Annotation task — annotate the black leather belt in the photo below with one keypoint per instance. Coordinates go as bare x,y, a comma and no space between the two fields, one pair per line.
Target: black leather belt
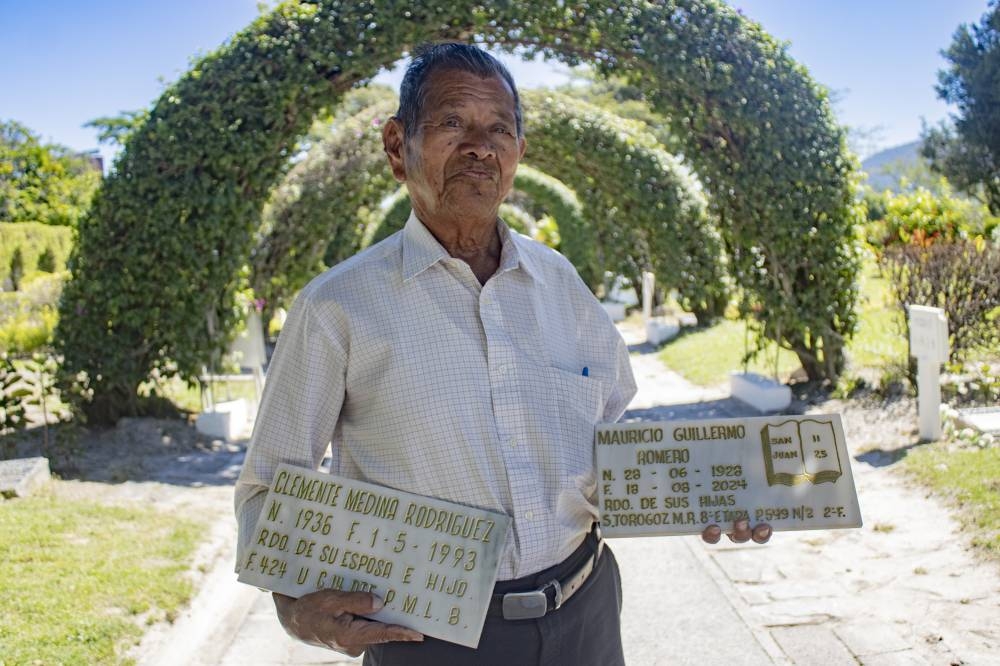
553,594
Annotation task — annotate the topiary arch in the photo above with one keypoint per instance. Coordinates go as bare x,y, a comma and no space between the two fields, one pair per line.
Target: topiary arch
642,211
163,247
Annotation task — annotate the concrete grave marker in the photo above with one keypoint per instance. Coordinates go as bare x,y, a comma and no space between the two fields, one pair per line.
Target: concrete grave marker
22,476
678,477
762,393
929,344
658,329
648,284
984,419
249,346
432,562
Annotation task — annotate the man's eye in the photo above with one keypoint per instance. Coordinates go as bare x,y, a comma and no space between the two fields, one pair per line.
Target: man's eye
501,130
452,122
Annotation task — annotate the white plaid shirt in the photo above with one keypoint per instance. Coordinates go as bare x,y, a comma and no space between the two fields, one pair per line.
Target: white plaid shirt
426,381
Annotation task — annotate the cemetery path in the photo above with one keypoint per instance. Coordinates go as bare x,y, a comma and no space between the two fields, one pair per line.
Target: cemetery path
904,589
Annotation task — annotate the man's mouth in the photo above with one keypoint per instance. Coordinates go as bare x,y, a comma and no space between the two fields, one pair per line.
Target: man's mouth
477,174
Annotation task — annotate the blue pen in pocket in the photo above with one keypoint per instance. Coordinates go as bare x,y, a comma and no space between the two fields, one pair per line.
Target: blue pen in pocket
586,371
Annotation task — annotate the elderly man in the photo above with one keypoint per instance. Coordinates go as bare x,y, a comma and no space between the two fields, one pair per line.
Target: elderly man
461,361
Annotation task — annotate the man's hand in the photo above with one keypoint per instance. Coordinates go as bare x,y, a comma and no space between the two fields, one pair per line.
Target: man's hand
329,618
741,533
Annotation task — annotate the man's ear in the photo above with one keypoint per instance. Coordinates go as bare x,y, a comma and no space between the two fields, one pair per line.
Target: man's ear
392,143
524,146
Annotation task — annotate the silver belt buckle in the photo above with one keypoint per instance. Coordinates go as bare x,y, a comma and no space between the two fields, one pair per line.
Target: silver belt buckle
524,605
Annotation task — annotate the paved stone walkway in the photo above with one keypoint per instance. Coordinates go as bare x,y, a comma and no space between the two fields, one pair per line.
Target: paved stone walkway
902,590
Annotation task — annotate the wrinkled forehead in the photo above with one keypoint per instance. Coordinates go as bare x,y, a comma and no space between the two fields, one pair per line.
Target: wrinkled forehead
456,88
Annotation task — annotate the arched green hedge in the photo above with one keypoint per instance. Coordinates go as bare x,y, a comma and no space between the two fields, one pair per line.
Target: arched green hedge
162,249
318,215
560,202
641,212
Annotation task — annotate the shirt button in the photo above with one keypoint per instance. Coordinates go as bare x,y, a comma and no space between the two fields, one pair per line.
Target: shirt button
529,515
503,370
511,442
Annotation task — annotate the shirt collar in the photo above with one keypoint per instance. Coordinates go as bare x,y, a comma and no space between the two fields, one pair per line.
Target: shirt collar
421,250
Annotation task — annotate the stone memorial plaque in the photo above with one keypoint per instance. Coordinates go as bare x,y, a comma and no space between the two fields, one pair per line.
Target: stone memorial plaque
21,476
677,477
432,562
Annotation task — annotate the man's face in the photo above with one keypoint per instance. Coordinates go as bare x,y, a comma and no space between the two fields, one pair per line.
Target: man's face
459,162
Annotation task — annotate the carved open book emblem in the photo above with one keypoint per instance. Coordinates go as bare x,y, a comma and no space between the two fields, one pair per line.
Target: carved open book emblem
800,451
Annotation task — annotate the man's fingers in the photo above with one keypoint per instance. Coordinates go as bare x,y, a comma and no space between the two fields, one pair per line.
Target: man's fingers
741,531
368,632
762,533
337,603
711,534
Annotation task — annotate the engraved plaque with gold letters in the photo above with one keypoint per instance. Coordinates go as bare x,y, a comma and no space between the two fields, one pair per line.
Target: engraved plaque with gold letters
678,477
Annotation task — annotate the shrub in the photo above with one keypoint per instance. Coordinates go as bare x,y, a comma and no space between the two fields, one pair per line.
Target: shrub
28,317
33,239
922,217
28,332
962,278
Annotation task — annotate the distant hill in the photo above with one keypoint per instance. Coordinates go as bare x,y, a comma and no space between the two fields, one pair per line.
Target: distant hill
883,167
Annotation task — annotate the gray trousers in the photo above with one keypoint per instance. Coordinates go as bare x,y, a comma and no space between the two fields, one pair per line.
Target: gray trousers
586,631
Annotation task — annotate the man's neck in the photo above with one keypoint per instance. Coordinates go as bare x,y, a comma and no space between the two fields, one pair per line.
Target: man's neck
477,244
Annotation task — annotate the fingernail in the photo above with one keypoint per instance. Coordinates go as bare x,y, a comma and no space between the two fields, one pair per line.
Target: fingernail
377,603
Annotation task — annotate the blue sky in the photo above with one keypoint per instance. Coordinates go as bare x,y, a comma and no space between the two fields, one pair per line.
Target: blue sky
65,62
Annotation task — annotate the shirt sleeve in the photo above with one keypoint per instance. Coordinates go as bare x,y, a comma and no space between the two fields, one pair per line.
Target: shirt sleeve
624,387
298,413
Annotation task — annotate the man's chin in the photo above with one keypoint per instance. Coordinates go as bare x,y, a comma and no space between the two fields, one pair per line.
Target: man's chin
474,203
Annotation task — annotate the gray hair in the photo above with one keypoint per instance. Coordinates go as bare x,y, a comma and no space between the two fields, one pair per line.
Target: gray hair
428,58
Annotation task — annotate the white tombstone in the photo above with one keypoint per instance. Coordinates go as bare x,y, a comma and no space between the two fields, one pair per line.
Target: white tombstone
929,344
648,284
687,319
248,346
661,329
762,393
225,420
622,292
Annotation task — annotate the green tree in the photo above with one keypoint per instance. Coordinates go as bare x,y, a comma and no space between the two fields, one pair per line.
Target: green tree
42,182
115,130
967,150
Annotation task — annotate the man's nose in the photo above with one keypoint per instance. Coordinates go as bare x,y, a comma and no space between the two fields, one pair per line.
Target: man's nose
479,144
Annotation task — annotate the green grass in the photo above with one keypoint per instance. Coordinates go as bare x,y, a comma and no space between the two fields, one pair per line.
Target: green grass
880,341
706,356
80,578
970,480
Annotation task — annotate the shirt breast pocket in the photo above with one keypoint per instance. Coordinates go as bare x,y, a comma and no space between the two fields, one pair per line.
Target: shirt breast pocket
575,403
